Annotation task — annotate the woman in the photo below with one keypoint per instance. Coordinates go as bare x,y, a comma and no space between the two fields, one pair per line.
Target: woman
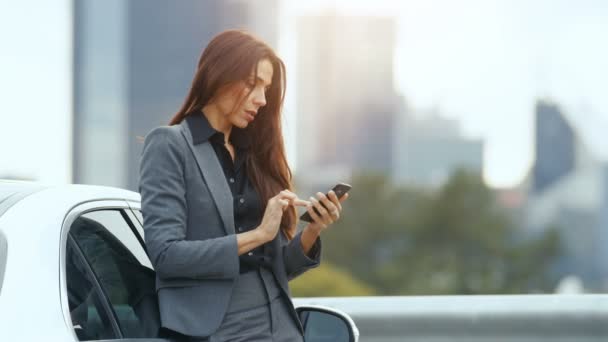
219,214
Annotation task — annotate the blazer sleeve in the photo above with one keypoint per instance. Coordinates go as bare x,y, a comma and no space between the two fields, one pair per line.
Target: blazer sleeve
296,262
164,208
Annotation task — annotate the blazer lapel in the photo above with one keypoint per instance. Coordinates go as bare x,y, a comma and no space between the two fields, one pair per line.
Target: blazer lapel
213,175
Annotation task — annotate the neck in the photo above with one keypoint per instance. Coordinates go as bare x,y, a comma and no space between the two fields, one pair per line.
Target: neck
217,120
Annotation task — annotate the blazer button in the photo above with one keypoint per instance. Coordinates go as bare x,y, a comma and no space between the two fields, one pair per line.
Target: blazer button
242,200
231,180
240,229
250,253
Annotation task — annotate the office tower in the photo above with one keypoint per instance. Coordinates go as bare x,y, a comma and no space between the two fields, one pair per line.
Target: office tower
567,191
346,101
133,64
554,146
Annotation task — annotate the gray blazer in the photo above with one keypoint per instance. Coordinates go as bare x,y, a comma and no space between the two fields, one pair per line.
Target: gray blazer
188,215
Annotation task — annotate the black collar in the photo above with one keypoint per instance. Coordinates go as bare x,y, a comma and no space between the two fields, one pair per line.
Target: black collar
201,131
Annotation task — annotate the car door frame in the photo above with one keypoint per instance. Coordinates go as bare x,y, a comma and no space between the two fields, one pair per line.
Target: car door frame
74,213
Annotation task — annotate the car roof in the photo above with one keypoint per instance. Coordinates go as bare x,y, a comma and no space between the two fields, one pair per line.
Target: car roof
12,191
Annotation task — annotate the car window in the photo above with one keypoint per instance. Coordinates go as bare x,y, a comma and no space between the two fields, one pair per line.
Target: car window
116,223
122,268
89,319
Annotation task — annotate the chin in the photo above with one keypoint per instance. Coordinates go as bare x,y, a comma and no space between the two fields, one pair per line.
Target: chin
242,124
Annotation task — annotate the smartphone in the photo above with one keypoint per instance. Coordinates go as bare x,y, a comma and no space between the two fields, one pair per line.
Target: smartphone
340,189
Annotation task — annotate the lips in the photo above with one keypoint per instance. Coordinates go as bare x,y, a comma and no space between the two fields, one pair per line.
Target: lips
250,114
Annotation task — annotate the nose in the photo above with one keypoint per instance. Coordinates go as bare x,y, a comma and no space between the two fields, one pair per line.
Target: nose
259,98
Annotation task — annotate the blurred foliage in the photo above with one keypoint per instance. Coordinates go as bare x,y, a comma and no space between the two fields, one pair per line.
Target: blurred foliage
454,240
328,281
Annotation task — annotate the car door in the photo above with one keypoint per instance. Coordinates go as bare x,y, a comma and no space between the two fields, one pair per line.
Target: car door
110,283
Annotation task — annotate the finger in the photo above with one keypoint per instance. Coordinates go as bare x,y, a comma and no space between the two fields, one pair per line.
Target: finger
284,203
315,217
300,202
297,202
329,205
335,200
287,194
325,217
343,198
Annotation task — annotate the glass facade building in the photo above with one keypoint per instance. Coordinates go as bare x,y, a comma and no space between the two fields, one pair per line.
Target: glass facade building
133,65
555,147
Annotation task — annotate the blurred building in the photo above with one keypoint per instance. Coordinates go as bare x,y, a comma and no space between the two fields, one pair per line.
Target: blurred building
568,190
602,241
346,101
564,175
429,149
554,148
133,64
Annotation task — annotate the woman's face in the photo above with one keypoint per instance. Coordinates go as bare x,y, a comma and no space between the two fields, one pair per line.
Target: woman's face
252,90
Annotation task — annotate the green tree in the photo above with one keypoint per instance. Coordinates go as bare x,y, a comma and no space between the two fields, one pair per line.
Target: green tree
455,240
328,281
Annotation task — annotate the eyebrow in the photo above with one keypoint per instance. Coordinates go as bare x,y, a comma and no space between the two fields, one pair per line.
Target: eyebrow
259,79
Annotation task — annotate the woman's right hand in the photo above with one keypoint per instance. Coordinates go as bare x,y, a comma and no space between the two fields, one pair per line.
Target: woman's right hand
271,221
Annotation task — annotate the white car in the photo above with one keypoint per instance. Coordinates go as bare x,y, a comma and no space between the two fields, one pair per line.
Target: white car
73,266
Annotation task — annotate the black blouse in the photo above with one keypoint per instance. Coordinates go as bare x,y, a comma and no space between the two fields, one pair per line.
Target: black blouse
248,211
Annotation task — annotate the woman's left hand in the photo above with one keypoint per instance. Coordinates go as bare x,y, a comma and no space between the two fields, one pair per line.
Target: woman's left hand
330,210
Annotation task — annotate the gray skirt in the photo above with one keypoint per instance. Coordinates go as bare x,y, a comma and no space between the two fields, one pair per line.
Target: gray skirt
259,311
269,322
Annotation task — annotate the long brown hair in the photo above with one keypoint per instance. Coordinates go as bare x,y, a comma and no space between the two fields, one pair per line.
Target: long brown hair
231,57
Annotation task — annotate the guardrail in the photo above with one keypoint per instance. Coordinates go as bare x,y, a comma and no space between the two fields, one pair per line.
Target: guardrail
521,318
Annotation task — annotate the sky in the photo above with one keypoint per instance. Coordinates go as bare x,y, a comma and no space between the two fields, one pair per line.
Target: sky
482,62
485,62
35,88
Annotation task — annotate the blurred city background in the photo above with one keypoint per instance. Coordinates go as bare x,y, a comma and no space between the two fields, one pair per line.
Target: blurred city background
473,132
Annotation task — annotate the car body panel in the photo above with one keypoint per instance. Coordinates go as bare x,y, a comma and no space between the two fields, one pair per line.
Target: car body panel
37,234
12,192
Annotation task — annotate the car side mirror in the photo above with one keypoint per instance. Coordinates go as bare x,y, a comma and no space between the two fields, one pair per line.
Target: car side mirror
323,324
